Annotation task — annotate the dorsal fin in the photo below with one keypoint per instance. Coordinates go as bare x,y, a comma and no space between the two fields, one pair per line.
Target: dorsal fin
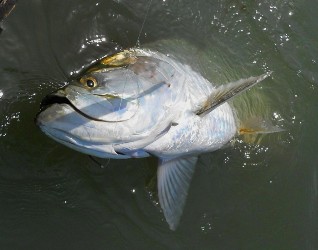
228,91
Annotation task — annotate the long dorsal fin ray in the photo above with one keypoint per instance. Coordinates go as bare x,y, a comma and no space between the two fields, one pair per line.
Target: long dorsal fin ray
226,92
174,177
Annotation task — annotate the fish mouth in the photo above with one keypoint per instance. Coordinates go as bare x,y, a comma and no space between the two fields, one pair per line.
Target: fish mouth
59,97
54,99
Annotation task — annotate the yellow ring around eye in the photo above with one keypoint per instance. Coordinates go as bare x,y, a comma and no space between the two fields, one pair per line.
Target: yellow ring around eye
89,82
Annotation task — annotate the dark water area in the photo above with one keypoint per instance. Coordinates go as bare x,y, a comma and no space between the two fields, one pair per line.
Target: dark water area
258,195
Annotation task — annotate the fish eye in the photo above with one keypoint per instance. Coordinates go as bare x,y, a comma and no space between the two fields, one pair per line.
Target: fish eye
89,82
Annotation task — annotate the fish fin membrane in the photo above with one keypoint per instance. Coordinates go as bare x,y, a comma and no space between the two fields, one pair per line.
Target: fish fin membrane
226,92
174,177
257,125
253,130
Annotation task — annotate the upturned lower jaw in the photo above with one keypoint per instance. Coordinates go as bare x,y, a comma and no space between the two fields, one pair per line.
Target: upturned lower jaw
59,97
53,99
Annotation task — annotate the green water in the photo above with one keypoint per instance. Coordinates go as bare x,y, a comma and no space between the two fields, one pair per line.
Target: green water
250,196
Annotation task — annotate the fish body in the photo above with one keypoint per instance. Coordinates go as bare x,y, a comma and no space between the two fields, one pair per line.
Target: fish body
140,103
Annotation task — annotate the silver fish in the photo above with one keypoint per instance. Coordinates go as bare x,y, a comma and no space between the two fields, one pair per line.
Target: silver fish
140,103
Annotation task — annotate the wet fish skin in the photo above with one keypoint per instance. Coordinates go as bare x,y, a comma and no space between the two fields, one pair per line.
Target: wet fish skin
139,103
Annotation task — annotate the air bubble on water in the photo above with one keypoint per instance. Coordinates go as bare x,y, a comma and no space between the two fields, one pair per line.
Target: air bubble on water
284,38
272,8
97,40
74,72
226,159
206,225
1,94
247,155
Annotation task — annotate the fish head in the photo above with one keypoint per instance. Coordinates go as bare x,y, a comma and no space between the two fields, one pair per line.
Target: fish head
102,107
82,115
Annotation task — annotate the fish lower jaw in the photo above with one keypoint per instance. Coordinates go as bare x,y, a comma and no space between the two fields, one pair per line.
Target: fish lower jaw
101,151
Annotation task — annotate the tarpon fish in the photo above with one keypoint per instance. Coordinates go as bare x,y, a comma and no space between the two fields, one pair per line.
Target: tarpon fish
140,103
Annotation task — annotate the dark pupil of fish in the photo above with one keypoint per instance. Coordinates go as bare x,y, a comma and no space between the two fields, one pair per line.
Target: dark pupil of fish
90,83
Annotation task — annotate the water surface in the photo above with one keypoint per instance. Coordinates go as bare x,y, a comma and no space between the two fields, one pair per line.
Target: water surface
258,195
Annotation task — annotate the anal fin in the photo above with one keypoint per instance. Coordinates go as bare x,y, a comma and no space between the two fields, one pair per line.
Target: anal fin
174,177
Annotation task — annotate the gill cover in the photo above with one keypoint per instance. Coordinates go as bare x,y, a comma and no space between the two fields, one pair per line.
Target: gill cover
115,87
100,92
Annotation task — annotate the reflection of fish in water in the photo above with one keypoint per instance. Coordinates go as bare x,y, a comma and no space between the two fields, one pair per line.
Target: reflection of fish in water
139,103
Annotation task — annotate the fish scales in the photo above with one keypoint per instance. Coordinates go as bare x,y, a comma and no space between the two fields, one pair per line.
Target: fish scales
141,103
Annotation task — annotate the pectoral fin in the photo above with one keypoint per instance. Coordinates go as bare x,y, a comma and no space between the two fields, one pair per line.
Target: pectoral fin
174,177
228,91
